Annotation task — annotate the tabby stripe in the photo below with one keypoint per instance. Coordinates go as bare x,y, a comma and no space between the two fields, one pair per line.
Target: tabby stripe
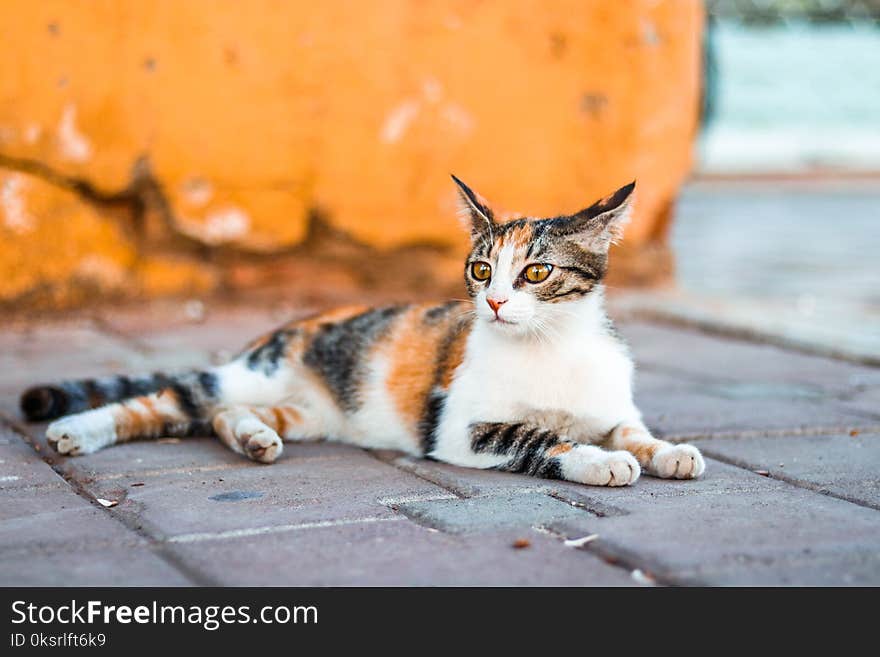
481,439
430,420
185,400
525,445
578,290
580,272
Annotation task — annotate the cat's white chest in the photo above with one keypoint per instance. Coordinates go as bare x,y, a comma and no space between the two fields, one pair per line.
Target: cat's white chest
588,376
585,375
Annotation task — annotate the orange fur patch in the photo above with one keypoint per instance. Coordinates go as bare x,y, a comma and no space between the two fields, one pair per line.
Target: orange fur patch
635,441
146,420
519,237
454,358
558,450
412,351
418,353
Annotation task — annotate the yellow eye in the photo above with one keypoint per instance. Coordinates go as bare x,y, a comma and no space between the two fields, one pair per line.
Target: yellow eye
481,271
537,273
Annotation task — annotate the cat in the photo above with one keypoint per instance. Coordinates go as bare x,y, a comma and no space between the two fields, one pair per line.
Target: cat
527,376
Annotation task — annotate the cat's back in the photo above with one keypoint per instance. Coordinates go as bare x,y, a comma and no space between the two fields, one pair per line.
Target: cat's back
374,368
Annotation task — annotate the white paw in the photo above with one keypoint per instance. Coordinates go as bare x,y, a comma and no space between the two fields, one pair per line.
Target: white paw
678,462
259,442
611,469
81,434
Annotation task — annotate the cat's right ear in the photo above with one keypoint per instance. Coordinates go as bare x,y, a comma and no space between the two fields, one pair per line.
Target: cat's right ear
476,213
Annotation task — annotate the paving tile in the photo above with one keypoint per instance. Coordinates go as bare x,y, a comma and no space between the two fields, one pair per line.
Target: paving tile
691,383
339,482
716,531
598,500
21,466
106,565
397,553
844,567
53,517
678,408
844,465
715,358
145,458
731,526
865,401
458,516
50,536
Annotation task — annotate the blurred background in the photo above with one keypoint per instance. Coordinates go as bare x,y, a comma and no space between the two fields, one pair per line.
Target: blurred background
298,153
778,231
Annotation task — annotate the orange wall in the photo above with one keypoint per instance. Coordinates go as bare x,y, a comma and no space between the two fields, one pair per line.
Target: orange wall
248,114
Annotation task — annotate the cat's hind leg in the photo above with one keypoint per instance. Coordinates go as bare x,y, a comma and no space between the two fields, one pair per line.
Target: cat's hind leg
171,412
257,431
535,450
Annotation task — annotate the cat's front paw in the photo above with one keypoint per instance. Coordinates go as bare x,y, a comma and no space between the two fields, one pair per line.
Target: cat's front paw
678,462
610,469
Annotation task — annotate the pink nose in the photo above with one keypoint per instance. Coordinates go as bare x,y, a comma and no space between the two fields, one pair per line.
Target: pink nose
495,304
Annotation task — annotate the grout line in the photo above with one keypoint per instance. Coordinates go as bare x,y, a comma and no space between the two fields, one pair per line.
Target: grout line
792,481
612,555
245,464
427,497
416,471
768,433
278,529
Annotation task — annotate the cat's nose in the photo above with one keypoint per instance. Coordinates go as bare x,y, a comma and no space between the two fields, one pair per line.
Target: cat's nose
495,304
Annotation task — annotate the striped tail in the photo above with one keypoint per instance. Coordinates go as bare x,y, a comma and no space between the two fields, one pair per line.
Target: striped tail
47,402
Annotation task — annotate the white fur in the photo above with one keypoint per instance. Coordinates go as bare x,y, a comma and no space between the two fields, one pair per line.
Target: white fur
590,465
582,370
678,461
377,424
82,433
242,385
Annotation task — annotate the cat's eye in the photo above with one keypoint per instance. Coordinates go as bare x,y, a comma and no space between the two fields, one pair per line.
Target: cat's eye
481,271
537,273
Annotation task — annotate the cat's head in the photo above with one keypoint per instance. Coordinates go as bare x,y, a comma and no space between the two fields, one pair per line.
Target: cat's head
525,275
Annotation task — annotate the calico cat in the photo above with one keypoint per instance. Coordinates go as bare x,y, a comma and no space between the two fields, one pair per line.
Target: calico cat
528,376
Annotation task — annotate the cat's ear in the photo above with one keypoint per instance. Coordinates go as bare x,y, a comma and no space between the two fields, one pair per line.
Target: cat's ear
477,214
600,225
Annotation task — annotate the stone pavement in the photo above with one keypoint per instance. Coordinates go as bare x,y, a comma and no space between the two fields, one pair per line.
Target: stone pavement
791,494
756,257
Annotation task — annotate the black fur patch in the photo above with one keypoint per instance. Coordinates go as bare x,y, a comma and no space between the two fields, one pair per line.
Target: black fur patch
437,399
438,313
431,419
338,350
267,357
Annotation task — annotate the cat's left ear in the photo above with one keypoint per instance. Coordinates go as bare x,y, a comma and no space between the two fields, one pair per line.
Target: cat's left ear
481,220
600,225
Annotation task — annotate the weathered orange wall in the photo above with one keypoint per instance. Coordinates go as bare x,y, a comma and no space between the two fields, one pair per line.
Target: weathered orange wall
244,115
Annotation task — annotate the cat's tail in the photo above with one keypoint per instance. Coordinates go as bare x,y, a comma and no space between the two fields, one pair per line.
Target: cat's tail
47,402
